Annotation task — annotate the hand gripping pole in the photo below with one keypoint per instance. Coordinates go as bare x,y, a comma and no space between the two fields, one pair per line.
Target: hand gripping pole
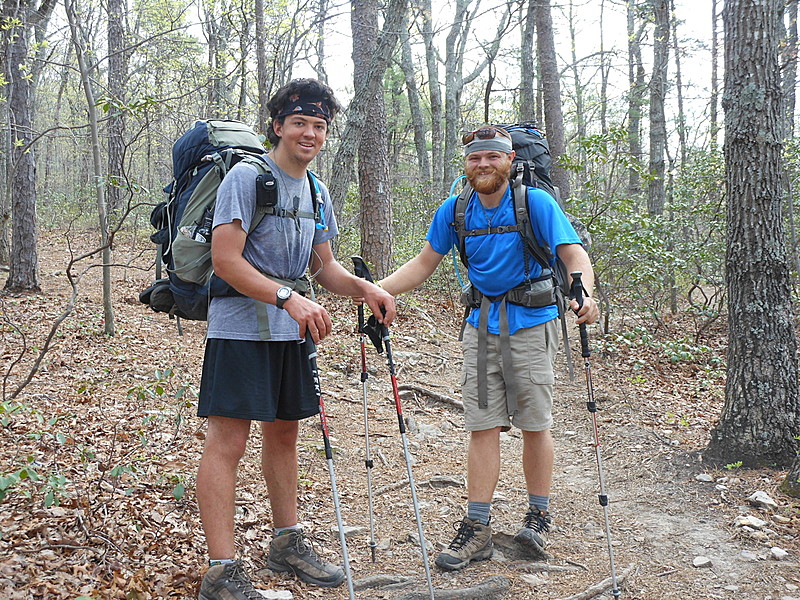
577,292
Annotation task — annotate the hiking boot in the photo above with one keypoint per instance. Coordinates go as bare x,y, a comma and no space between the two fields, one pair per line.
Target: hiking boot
228,582
533,534
291,552
473,541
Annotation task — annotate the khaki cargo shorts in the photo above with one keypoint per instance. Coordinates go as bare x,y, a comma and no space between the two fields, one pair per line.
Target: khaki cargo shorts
533,353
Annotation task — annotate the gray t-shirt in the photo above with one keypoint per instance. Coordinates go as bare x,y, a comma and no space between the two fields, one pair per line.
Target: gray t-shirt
276,247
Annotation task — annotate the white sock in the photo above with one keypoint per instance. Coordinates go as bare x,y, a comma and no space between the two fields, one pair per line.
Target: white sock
221,561
279,530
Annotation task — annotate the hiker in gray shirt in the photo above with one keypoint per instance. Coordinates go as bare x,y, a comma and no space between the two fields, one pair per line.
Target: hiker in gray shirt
255,367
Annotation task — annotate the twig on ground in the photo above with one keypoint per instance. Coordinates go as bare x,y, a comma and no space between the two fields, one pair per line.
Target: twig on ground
602,587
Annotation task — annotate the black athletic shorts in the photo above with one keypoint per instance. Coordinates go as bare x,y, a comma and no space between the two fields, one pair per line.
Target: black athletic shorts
259,381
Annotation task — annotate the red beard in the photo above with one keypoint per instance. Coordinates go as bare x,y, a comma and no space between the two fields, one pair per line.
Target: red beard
489,181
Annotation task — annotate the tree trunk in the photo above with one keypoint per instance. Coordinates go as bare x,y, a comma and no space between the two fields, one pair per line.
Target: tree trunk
435,100
789,69
262,74
417,119
373,154
21,184
322,17
342,171
604,69
117,75
580,118
714,75
636,87
527,66
791,485
553,117
658,92
99,187
761,414
681,125
454,84
455,80
217,30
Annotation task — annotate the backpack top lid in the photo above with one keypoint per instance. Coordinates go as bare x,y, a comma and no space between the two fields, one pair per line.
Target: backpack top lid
532,160
208,137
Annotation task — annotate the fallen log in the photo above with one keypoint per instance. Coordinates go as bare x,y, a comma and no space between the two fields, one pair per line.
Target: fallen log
492,588
410,387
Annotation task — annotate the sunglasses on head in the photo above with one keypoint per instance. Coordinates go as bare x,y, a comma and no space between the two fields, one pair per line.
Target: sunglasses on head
484,133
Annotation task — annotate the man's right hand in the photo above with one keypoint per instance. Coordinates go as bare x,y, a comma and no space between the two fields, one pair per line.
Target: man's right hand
310,316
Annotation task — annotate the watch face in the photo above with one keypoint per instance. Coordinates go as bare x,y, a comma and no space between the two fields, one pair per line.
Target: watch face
284,293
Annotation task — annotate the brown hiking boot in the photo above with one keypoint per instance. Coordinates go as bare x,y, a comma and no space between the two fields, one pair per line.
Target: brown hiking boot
533,534
291,552
228,582
473,541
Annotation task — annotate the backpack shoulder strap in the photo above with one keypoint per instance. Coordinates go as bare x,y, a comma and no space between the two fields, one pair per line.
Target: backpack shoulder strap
262,210
459,220
520,194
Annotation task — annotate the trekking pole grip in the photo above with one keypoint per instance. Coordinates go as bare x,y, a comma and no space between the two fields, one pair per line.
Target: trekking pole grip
576,291
361,269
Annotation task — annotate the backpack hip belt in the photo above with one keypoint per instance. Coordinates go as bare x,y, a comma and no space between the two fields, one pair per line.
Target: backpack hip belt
534,293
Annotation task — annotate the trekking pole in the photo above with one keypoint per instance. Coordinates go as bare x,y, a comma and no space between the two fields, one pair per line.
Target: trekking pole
368,454
312,357
591,405
383,339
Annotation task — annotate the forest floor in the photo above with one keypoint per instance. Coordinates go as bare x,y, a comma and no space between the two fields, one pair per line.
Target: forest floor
100,450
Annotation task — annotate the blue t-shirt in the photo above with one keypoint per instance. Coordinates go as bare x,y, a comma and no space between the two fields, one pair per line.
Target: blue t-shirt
497,260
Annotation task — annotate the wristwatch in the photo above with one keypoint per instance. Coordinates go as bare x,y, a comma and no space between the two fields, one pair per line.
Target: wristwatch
282,295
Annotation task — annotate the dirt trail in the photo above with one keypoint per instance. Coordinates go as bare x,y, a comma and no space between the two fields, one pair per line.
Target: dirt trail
121,533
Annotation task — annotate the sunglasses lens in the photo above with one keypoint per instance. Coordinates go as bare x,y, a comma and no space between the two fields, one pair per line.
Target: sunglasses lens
484,133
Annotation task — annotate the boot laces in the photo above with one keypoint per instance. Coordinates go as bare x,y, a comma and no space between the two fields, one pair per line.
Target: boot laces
239,576
464,533
304,547
535,519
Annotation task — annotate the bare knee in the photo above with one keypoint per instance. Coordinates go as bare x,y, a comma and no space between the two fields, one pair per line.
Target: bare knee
227,438
279,434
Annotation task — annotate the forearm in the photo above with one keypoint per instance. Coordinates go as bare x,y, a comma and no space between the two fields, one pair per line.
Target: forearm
413,273
575,258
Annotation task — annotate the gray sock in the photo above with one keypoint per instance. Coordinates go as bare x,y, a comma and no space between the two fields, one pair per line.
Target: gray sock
479,511
540,502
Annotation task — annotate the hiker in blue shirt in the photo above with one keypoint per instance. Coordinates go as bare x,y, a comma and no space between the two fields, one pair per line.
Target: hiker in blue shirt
502,332
254,366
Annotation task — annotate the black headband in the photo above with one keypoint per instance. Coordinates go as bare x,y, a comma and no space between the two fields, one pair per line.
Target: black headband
312,106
